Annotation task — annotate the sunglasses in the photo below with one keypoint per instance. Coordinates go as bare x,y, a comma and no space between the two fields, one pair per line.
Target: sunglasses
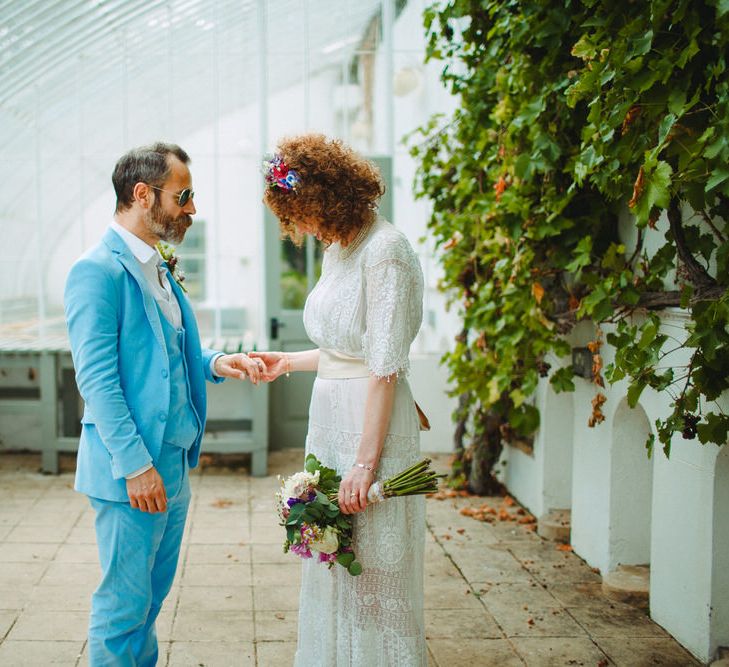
182,197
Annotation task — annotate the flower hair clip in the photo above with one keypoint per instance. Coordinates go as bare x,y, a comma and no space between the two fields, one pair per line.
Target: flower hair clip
278,174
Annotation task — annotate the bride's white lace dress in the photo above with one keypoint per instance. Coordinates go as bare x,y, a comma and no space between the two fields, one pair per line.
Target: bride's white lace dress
367,304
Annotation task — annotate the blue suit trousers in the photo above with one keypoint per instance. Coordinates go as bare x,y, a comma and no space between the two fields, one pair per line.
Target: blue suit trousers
138,552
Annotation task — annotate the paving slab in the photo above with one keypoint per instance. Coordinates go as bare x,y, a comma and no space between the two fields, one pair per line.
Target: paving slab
284,596
211,654
7,620
26,653
27,552
212,626
448,623
275,653
275,625
645,652
57,625
60,598
269,574
14,597
216,598
216,574
219,553
559,652
481,652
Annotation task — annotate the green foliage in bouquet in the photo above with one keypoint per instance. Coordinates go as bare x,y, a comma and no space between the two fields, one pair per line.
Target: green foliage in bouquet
328,490
314,517
572,116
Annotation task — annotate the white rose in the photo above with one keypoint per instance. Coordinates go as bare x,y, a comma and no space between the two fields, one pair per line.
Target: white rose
295,485
328,543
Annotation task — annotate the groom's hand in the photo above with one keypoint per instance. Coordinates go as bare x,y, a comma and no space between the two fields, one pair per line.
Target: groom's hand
239,366
147,492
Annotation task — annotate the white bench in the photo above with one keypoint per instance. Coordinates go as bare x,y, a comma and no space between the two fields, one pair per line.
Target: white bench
240,426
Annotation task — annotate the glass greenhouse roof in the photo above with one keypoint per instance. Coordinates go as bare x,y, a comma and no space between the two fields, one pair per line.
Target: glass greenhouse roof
82,81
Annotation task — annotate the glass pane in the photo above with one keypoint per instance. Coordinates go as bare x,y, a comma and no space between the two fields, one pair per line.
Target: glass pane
297,279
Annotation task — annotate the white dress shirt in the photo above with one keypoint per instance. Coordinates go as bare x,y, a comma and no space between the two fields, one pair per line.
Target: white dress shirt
156,274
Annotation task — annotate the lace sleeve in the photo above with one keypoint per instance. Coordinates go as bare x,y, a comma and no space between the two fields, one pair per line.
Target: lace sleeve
391,292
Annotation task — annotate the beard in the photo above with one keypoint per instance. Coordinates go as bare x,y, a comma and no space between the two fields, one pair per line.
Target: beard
171,229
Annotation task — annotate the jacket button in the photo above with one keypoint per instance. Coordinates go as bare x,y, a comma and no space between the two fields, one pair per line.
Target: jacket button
164,373
162,417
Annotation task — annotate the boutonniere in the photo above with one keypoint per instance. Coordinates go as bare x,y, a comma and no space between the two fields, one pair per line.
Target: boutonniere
167,252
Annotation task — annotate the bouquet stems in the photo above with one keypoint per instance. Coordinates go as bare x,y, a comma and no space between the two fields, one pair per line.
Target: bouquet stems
418,479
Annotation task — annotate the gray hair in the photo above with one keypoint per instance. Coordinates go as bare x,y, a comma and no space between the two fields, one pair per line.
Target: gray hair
146,164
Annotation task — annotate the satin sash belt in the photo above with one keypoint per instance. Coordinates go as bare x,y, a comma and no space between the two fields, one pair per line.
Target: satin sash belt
334,365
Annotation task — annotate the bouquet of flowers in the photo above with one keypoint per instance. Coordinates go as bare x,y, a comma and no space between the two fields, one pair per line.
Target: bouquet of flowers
308,509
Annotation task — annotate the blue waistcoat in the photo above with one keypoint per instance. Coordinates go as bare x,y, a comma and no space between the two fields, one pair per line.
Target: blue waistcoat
183,424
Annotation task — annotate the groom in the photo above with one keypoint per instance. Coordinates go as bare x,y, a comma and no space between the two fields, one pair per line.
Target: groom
141,372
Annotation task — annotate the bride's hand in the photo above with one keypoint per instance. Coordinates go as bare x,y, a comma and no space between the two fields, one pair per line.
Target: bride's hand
353,490
240,366
276,364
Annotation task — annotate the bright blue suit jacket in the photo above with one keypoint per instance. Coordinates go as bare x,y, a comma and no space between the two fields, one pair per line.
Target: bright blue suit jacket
122,367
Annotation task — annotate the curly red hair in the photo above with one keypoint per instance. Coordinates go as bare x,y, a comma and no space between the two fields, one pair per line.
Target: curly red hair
338,190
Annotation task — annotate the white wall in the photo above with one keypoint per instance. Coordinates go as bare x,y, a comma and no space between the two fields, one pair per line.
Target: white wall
631,482
542,479
720,567
682,543
429,382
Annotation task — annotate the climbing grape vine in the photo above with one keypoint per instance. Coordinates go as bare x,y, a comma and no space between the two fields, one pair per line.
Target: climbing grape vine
574,117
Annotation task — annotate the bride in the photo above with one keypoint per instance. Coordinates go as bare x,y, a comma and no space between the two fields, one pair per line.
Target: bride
363,315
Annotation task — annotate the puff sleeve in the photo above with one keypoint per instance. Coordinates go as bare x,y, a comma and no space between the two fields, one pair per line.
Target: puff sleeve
393,286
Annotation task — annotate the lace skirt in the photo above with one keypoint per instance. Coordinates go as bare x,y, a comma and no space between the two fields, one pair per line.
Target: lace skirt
375,619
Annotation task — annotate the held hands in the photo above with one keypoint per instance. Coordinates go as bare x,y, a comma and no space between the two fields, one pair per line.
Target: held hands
276,364
147,492
353,490
239,366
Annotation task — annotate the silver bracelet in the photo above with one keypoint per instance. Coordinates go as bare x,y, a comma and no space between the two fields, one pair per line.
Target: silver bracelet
365,466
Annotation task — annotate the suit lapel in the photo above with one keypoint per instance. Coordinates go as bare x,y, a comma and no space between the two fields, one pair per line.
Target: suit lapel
129,262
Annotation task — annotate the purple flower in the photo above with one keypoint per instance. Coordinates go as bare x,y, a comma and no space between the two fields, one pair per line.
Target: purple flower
292,501
301,550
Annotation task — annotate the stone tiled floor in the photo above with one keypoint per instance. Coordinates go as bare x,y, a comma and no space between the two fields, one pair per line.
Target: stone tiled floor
496,594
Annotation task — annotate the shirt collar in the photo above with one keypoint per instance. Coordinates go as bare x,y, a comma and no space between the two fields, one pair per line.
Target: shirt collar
141,250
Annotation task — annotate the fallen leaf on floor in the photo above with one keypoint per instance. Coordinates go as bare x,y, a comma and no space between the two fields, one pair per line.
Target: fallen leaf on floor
564,547
221,502
460,531
280,616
